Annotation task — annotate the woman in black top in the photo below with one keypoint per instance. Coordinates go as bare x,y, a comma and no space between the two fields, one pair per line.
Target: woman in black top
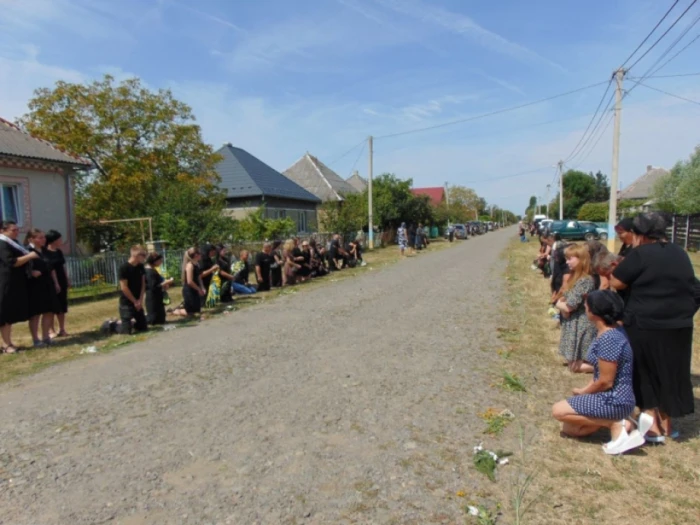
207,267
192,285
224,262
42,290
624,232
277,264
57,263
659,322
156,287
14,265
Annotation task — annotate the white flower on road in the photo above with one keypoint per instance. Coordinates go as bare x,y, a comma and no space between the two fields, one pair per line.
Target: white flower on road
504,461
473,511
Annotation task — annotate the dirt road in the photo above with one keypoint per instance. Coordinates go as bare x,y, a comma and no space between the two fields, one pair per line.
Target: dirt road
354,402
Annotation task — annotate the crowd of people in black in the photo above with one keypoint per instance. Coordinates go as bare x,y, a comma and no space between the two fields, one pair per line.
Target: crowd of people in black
212,275
34,285
626,318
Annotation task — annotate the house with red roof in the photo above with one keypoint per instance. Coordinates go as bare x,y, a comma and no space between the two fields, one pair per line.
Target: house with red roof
36,183
436,195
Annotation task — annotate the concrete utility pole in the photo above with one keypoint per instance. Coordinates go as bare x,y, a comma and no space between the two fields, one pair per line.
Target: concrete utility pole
548,186
612,208
447,202
370,204
561,190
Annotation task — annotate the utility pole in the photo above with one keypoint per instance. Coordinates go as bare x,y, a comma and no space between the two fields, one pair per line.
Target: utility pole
548,186
369,193
561,190
612,208
447,202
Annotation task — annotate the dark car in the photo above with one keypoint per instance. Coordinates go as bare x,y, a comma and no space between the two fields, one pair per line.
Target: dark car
575,230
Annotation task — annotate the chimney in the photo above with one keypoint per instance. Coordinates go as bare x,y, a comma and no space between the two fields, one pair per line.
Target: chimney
649,168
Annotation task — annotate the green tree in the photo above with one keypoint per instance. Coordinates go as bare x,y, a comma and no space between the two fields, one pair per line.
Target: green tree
679,191
148,155
579,188
392,197
257,227
345,217
602,187
593,211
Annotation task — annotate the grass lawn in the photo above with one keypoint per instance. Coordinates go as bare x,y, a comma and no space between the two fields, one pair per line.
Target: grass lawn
574,482
84,319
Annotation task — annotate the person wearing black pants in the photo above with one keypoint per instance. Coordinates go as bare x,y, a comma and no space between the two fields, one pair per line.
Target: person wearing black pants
132,284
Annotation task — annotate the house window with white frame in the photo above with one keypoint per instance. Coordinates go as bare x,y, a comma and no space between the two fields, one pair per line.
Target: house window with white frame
11,203
302,222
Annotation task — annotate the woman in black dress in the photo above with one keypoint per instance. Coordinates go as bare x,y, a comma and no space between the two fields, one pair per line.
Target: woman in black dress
192,286
624,232
42,290
224,262
207,267
659,322
156,286
14,264
57,263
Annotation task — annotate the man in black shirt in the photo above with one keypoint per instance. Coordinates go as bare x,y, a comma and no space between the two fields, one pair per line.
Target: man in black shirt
241,271
337,256
263,261
132,285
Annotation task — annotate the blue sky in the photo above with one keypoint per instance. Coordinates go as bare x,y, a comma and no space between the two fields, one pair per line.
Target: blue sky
280,78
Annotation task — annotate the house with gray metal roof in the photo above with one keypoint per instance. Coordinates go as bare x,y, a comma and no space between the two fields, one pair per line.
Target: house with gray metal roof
250,183
317,178
36,183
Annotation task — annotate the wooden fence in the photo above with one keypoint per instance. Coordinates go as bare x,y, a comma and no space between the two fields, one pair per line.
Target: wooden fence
684,230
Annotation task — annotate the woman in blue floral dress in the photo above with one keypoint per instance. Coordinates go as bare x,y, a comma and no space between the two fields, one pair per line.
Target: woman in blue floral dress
402,237
607,400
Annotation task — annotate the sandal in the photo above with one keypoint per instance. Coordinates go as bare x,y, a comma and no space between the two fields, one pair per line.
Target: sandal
624,442
62,333
9,349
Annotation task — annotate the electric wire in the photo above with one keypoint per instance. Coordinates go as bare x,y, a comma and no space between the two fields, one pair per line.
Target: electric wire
595,144
602,116
663,35
362,149
595,114
489,114
674,56
338,159
667,93
649,35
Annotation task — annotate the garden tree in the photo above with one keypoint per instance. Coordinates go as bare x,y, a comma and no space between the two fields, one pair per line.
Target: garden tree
579,188
467,203
347,216
392,197
602,187
420,211
679,191
148,155
593,211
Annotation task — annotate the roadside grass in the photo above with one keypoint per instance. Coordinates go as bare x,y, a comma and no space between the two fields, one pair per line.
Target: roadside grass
571,481
84,319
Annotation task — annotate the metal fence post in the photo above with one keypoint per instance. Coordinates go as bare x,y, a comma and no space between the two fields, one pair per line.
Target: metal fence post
687,231
673,229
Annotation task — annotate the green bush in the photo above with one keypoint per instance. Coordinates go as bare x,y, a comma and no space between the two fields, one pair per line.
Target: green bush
594,212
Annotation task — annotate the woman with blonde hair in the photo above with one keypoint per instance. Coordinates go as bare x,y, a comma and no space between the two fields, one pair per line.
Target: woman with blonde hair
577,331
291,267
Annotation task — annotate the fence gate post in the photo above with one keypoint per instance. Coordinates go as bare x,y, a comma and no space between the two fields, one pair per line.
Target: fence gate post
687,231
673,229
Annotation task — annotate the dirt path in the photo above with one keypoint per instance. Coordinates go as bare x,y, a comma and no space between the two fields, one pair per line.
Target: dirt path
354,402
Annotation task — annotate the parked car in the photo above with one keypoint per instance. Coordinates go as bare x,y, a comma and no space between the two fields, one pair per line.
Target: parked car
545,224
602,232
575,230
460,231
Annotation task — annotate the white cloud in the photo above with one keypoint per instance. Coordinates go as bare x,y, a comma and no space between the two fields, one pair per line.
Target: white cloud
463,25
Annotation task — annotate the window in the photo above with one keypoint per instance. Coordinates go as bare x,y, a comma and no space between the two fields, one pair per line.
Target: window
302,222
11,203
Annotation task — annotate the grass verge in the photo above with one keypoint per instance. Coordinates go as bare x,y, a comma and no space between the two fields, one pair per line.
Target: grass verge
572,481
84,320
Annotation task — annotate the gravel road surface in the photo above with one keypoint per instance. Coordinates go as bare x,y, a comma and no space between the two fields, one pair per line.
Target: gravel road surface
353,402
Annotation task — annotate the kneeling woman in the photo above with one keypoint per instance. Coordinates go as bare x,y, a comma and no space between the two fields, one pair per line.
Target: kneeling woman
608,399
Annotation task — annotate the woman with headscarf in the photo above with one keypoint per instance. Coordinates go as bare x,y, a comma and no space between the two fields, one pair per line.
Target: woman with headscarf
624,232
608,399
14,302
42,290
659,313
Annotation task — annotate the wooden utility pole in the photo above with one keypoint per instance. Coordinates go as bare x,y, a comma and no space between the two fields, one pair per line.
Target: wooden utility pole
370,204
561,190
612,207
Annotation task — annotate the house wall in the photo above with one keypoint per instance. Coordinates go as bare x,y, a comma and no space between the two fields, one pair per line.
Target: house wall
45,200
302,213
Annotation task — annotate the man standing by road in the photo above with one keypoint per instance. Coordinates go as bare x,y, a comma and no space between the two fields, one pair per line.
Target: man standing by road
263,262
132,284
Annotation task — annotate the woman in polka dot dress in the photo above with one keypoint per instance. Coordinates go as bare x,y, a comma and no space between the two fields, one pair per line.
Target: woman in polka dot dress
609,398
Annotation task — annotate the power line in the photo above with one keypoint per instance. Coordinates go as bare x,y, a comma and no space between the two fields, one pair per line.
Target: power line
668,76
364,143
667,93
595,128
674,56
595,144
663,35
649,35
347,153
491,113
595,114
507,176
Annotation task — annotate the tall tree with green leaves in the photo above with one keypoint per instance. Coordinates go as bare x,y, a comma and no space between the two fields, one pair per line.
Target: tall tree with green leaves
679,191
579,188
149,161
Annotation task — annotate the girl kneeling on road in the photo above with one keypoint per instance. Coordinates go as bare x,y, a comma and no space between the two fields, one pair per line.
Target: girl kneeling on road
608,399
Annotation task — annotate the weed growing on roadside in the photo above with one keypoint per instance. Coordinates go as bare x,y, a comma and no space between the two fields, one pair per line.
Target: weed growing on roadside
486,461
483,515
513,383
496,421
520,488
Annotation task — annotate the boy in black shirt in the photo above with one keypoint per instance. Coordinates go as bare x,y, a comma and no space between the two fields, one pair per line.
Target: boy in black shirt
132,284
